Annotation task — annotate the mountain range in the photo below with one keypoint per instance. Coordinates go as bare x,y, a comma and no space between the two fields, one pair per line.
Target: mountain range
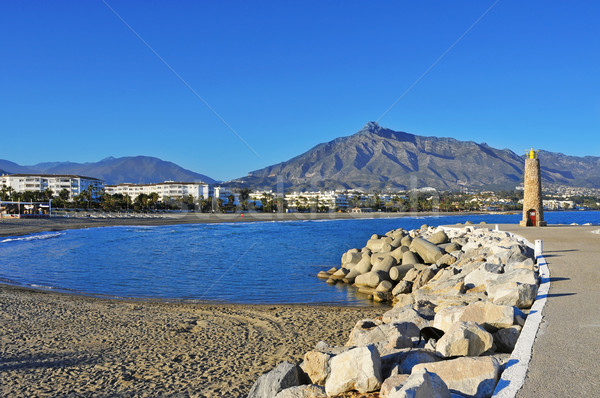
132,169
374,158
380,158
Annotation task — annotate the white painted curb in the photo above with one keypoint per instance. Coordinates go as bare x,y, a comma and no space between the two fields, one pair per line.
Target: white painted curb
515,370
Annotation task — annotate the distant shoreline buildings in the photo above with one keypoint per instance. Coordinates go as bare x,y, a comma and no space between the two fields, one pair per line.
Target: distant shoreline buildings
174,189
54,185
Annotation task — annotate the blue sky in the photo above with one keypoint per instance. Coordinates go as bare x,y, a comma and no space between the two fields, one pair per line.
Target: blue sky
77,84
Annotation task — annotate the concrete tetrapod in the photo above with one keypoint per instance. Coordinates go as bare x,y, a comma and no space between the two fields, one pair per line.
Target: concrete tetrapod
429,252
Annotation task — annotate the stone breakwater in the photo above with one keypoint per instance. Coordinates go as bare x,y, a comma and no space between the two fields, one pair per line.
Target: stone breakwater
461,297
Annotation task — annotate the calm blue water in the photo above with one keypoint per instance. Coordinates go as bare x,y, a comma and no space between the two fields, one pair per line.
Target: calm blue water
263,262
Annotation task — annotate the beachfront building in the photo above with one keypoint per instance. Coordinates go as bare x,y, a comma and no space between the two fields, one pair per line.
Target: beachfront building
74,184
174,189
331,199
166,189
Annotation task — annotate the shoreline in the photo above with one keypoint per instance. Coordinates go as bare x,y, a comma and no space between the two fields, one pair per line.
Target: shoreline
26,226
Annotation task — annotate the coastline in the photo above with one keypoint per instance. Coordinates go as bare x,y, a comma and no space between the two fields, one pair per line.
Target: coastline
24,226
56,344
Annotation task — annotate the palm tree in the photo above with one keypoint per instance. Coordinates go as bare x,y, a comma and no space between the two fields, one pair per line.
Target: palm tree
153,199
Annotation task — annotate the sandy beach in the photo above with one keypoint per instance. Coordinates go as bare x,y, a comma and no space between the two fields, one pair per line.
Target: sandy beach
54,344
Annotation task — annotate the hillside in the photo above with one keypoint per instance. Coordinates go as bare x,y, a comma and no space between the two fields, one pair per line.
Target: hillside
380,158
134,169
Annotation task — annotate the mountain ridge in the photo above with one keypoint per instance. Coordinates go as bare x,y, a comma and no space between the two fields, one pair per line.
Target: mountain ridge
380,158
128,169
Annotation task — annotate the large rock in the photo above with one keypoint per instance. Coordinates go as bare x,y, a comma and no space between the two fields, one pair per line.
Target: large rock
450,247
429,252
422,384
446,260
480,276
415,357
405,314
520,275
424,276
316,366
448,316
506,339
403,287
464,339
306,391
285,375
384,336
412,274
520,295
469,377
400,300
357,369
489,315
392,383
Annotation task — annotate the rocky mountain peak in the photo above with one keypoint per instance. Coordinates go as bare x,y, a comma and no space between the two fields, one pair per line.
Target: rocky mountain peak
380,158
371,127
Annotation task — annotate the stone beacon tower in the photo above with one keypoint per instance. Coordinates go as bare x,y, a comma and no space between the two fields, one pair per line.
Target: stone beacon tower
533,209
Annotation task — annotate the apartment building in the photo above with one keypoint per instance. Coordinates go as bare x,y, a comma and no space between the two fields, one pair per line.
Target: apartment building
173,189
330,199
74,184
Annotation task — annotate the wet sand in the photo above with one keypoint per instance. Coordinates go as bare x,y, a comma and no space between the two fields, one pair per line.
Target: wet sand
54,344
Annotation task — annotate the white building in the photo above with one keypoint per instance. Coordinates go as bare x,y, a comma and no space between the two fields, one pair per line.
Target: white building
329,199
173,189
554,204
167,189
75,184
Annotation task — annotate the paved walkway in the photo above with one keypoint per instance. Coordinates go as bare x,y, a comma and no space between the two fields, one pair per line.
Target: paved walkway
566,353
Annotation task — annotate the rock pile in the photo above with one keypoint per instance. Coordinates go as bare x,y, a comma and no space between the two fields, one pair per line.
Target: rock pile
473,284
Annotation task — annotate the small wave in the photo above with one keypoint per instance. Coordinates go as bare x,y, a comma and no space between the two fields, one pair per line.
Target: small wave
33,285
32,237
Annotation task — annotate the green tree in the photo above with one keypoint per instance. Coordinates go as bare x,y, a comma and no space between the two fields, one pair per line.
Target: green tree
244,197
48,194
153,199
140,203
206,205
64,194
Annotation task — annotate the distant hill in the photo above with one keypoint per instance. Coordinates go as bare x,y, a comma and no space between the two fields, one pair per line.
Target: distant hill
8,167
133,169
380,158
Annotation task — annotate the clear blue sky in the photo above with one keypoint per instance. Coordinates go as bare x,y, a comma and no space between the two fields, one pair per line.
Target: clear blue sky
77,84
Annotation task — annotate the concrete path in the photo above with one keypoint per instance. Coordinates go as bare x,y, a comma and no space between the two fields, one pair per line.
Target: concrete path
566,354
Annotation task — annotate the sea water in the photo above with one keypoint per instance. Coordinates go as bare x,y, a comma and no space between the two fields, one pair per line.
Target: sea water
259,262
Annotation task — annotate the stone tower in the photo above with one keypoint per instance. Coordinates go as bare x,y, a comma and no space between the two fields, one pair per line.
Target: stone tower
533,209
